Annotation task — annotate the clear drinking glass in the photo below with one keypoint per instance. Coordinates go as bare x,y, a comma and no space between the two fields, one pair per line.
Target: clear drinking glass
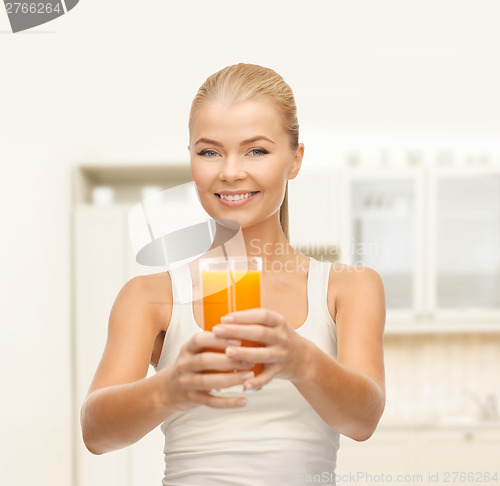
228,285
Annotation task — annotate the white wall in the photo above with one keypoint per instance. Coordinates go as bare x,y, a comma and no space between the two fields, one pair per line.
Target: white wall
113,81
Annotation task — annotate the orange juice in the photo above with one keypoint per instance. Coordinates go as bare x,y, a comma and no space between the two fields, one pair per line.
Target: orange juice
240,291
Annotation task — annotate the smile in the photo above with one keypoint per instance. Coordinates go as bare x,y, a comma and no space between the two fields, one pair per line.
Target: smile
236,201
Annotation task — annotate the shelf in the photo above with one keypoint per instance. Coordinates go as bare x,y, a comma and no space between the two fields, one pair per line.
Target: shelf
380,214
437,327
126,181
471,214
445,424
133,174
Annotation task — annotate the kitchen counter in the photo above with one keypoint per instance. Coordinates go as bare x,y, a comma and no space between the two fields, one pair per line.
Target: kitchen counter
446,423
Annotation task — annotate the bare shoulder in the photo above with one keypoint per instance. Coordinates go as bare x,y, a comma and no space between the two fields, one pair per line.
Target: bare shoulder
135,322
155,290
360,318
143,304
346,281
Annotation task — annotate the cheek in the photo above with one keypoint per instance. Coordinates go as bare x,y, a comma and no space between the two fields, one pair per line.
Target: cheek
272,178
200,177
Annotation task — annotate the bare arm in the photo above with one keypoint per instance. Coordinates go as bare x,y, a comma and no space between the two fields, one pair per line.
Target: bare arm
122,405
349,392
117,416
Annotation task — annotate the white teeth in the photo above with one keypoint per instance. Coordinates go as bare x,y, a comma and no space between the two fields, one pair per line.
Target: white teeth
237,197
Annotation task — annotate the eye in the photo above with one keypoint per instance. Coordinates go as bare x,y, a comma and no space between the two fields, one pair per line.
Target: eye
262,151
204,152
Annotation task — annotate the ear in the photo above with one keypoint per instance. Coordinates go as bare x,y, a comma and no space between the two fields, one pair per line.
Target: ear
297,162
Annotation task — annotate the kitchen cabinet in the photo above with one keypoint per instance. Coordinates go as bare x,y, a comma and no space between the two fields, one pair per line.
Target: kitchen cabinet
102,267
433,235
464,450
420,454
103,261
464,244
383,228
99,259
386,452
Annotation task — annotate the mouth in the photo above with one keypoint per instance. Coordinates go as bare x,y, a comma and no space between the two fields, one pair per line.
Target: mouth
237,200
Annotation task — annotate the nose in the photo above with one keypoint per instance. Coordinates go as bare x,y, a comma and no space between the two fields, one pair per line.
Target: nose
232,169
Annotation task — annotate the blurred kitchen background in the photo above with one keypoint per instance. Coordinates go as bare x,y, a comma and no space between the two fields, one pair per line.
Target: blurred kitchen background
399,112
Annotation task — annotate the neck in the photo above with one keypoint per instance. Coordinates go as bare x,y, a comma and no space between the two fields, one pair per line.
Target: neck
265,239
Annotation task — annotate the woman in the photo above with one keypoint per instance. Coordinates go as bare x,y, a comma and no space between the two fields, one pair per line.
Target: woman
320,325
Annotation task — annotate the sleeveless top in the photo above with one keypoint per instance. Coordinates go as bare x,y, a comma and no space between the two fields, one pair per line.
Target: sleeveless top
277,438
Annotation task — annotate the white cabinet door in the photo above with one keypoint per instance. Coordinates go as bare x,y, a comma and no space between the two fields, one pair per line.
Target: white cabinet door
147,464
421,456
445,452
464,244
433,234
386,453
313,211
104,262
383,228
99,275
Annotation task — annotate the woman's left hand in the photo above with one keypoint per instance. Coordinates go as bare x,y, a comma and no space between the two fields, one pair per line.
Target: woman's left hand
281,348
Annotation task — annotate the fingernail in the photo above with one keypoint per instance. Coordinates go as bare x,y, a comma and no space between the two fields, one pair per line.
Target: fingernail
248,386
227,319
218,329
235,342
231,352
241,401
247,375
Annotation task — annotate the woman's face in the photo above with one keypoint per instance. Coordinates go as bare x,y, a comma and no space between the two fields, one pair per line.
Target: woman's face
243,148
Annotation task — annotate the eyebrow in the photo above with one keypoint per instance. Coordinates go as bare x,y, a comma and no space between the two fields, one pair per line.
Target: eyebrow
245,142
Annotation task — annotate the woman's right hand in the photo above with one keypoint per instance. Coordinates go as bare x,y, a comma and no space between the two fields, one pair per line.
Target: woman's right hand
189,380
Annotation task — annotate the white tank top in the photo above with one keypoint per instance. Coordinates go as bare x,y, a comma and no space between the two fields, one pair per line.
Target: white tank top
277,438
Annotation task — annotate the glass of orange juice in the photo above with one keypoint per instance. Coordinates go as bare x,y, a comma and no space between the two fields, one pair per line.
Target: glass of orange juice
227,285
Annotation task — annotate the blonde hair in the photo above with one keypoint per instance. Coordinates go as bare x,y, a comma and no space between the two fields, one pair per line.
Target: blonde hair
244,82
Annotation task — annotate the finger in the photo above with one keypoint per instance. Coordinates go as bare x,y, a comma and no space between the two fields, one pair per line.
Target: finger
250,332
210,381
206,339
252,354
262,378
205,398
216,361
260,315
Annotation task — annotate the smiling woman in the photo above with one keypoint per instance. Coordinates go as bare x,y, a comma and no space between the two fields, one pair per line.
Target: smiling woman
319,327
243,148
